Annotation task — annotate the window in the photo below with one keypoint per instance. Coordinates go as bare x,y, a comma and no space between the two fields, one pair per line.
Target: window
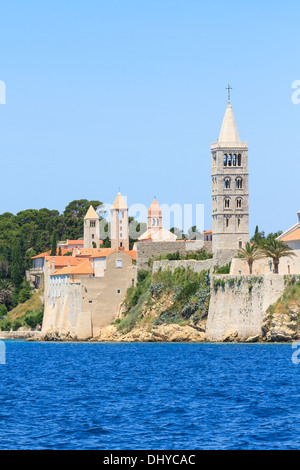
240,244
225,159
239,183
234,160
121,244
239,203
226,203
93,236
229,160
118,291
227,182
239,222
239,160
92,223
119,263
227,222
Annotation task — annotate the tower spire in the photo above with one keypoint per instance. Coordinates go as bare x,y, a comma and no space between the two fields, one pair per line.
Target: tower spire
228,88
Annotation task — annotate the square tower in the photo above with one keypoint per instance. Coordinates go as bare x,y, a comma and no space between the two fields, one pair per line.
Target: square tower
230,193
119,224
91,229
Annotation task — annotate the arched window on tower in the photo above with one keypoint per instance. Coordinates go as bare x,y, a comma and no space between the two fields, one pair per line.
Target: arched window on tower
234,160
239,203
239,183
239,160
227,203
225,159
229,160
227,183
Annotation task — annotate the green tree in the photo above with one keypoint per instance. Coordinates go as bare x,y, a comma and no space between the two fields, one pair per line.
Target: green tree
54,244
17,266
6,291
251,253
276,250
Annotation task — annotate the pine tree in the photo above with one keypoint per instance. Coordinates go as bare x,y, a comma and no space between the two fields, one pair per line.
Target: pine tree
54,245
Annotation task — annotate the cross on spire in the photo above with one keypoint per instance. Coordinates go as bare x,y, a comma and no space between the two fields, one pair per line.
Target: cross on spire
228,88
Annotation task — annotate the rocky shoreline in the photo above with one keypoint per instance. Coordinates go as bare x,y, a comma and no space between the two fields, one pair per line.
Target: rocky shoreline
276,328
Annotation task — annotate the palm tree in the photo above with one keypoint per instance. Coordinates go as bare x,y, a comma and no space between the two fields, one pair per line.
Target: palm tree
6,291
250,253
276,249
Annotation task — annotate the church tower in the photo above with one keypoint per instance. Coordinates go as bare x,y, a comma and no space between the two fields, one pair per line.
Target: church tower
91,229
119,224
154,219
230,194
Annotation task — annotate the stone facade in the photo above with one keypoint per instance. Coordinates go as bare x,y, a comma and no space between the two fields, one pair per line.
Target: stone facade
91,229
192,264
238,304
230,193
119,224
148,250
78,306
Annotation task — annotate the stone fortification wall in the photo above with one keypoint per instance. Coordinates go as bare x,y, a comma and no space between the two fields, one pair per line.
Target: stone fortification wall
195,265
148,250
239,303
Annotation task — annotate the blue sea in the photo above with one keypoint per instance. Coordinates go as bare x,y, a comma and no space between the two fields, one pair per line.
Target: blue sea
149,396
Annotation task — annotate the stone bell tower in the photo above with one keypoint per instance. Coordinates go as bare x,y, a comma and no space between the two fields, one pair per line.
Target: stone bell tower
230,194
119,224
91,229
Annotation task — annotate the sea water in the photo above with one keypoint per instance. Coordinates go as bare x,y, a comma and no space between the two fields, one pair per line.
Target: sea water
149,396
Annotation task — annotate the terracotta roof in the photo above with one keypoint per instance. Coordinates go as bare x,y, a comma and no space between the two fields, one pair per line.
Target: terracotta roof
84,267
89,251
64,260
75,242
47,253
292,236
207,231
104,252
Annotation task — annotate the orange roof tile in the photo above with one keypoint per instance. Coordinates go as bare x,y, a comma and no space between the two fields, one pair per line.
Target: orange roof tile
292,236
64,260
208,231
102,253
47,253
75,242
84,267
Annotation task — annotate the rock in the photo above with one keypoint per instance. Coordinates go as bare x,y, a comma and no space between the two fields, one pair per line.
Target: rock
252,339
230,336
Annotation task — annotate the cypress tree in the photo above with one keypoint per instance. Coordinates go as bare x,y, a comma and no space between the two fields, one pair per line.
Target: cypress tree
54,245
17,266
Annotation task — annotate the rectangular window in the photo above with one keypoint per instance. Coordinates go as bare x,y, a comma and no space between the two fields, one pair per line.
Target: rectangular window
119,263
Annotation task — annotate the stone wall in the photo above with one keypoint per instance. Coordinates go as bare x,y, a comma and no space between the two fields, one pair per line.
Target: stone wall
239,303
195,265
263,266
148,250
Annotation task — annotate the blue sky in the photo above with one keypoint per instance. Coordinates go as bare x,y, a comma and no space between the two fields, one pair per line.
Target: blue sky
132,94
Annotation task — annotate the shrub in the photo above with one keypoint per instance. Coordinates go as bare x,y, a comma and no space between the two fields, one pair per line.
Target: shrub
3,310
32,319
223,269
16,325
